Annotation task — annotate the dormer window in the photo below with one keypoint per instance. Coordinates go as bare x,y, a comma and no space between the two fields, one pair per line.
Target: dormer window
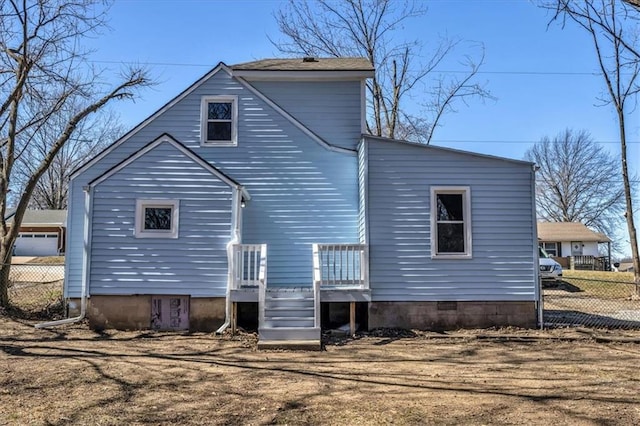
219,121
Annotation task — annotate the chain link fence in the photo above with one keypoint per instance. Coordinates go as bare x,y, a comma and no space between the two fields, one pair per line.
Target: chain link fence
35,290
591,302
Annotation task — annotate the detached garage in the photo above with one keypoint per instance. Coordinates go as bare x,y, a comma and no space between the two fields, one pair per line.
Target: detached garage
42,233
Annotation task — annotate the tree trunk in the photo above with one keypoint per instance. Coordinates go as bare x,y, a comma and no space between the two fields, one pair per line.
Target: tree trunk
629,212
5,268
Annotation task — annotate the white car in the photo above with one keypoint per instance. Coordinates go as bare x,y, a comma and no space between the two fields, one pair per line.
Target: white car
550,270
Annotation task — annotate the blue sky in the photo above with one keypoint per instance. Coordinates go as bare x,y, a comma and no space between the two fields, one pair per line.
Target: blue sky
542,76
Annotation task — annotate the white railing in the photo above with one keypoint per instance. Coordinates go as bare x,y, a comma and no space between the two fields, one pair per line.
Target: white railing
341,265
248,265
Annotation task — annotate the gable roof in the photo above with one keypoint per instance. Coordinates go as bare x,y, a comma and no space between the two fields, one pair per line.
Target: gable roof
306,64
41,218
167,138
569,231
220,67
366,137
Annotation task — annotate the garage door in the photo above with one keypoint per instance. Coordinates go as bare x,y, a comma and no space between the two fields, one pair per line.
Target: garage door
36,245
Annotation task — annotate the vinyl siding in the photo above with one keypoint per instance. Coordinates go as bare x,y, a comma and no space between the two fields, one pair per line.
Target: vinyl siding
302,193
401,267
193,264
330,109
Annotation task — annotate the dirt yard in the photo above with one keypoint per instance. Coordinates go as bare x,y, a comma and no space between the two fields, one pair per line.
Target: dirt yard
72,375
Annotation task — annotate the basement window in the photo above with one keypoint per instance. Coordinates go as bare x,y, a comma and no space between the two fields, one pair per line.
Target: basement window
156,219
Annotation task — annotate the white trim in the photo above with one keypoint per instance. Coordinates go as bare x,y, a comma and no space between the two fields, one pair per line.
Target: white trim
220,67
363,107
143,204
87,244
537,284
186,151
365,147
465,191
293,121
233,99
300,75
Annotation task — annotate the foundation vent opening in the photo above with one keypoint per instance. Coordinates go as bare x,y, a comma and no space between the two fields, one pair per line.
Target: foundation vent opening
447,306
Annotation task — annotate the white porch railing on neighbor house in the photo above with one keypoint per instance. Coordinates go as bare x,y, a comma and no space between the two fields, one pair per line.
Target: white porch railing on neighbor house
248,265
339,265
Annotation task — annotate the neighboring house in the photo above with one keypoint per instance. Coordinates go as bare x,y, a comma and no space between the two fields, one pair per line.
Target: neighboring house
255,194
574,245
42,233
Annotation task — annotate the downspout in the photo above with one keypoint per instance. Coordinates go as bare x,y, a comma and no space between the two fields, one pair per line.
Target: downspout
236,238
85,267
61,238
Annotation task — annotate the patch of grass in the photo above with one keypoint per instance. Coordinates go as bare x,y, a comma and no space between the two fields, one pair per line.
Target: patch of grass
608,285
621,277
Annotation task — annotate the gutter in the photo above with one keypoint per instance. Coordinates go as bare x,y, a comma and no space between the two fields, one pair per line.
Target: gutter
88,207
238,199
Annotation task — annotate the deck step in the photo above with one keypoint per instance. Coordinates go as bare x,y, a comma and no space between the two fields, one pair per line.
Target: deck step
288,322
289,333
299,312
289,316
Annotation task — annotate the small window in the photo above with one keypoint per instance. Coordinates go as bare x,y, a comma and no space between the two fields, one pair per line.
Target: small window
156,219
551,249
450,222
219,120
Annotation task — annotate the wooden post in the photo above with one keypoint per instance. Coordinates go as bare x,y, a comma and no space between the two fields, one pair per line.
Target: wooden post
234,317
352,318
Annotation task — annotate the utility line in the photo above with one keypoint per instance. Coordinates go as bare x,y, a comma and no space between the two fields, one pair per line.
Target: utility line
516,141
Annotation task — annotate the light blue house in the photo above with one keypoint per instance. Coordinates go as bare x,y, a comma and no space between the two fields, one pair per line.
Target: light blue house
254,193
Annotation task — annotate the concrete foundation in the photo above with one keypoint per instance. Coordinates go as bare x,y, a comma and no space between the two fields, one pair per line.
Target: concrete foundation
207,313
134,312
451,315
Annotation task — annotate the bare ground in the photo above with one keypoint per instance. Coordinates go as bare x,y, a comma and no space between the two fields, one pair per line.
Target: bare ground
72,375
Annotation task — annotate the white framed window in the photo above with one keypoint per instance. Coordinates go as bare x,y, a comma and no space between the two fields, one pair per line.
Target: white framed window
219,121
451,222
157,218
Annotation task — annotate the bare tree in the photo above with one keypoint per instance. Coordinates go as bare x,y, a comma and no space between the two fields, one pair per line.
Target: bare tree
577,181
44,73
90,137
369,28
613,28
634,3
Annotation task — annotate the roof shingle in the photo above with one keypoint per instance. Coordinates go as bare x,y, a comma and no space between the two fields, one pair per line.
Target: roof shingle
568,231
43,217
306,64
